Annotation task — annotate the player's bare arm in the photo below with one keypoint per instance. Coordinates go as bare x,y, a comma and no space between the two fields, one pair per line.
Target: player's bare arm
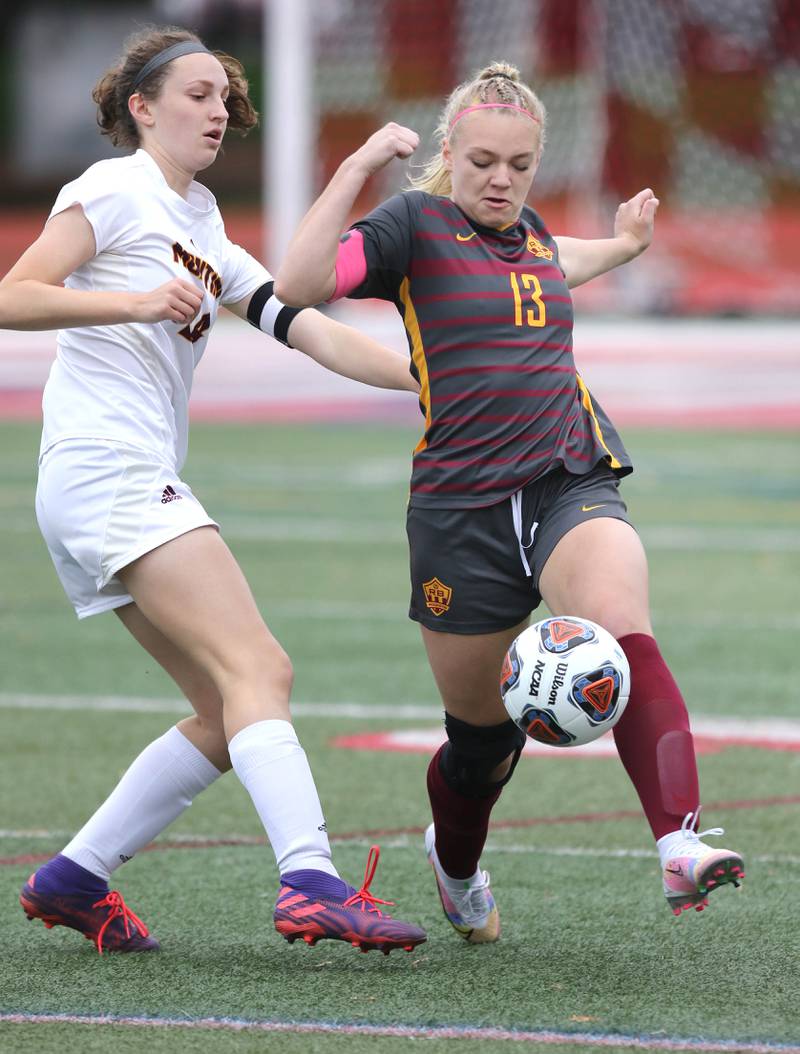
585,258
350,353
308,273
344,350
32,295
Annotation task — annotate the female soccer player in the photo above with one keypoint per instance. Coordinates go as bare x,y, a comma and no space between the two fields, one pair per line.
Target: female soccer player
142,251
514,489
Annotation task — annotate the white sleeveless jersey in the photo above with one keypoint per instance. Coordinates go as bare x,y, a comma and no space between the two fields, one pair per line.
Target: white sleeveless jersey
130,383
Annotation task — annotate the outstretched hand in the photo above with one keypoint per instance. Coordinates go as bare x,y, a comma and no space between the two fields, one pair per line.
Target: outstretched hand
383,146
635,220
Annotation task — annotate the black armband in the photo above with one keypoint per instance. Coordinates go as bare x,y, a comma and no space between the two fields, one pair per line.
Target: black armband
268,314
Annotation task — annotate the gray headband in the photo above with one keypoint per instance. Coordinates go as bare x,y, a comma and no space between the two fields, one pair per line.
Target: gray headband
185,47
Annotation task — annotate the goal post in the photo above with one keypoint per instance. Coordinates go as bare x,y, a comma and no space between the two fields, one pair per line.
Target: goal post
290,142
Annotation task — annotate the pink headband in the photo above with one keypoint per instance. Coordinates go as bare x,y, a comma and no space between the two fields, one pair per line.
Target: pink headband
493,106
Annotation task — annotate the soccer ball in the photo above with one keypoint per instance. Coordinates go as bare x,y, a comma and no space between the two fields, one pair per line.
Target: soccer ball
565,681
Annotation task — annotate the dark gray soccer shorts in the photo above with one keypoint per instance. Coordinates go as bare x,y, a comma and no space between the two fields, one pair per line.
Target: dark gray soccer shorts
477,570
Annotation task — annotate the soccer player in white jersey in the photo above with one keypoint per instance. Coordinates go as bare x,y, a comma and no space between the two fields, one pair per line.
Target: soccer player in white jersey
141,251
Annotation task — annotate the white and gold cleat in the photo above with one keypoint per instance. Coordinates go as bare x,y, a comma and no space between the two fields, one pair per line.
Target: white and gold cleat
468,904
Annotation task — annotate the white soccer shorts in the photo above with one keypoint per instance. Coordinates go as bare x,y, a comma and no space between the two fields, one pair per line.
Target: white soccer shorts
100,506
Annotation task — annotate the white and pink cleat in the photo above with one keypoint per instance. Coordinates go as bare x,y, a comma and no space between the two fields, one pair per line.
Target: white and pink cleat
691,869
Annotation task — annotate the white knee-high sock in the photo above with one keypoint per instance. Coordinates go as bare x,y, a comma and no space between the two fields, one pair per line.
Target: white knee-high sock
268,759
156,789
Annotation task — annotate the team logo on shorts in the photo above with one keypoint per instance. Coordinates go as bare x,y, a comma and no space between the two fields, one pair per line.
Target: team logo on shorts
437,596
536,247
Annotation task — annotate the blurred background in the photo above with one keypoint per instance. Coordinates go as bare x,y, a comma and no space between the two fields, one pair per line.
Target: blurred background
698,99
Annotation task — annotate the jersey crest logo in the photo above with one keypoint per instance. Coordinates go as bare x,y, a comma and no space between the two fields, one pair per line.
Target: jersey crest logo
437,596
536,247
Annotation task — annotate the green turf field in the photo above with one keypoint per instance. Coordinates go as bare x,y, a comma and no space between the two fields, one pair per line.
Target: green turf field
315,515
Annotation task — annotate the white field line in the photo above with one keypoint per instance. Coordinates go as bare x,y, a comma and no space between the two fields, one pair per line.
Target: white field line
665,537
614,1041
410,842
132,704
357,612
346,532
776,729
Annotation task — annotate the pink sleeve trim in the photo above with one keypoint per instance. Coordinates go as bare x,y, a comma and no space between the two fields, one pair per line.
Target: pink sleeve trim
351,266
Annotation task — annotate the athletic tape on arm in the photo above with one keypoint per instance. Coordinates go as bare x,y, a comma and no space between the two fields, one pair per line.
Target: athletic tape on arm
268,314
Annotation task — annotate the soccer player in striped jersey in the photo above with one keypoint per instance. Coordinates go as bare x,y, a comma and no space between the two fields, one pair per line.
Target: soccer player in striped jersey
514,487
145,261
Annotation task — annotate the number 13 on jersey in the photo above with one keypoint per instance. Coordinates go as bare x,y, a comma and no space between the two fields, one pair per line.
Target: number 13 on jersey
533,316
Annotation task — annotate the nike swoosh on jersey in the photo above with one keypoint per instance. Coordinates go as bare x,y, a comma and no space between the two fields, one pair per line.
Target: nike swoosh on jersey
463,238
589,508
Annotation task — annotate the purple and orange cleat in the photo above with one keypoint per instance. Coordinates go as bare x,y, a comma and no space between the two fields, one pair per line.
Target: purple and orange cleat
314,906
101,916
693,869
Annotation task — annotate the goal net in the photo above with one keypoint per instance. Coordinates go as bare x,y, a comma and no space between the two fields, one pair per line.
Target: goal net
698,99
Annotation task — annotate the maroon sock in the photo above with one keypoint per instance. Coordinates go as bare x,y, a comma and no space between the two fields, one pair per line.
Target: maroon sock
461,823
654,740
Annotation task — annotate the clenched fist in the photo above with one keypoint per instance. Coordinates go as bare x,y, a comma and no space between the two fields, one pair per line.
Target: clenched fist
383,146
175,301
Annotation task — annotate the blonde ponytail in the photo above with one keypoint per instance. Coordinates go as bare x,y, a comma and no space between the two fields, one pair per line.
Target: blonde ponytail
498,83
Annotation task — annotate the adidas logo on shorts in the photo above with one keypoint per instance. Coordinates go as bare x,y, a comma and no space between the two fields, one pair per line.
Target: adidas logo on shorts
169,495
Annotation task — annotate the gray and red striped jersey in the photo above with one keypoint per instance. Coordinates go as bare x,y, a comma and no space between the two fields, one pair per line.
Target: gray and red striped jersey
488,318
